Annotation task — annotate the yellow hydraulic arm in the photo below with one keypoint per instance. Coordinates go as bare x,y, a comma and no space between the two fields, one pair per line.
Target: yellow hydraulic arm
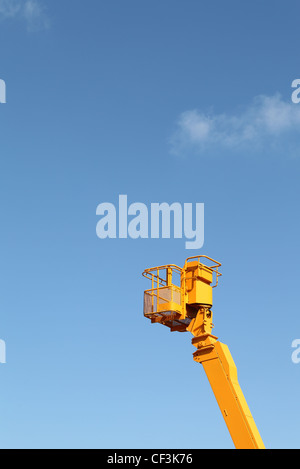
185,305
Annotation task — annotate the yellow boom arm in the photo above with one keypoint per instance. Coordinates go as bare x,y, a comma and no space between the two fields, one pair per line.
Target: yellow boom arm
222,375
185,305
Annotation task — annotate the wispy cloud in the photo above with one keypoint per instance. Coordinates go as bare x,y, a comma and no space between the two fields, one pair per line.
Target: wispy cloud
33,12
265,123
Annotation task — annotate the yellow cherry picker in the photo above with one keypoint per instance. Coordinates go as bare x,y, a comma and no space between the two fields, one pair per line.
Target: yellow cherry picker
181,299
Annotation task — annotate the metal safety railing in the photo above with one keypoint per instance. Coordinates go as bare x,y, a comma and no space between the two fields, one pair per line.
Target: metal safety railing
164,296
213,266
161,300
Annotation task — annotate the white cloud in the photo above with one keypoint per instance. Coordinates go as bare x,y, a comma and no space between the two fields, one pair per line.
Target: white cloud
267,121
31,11
9,8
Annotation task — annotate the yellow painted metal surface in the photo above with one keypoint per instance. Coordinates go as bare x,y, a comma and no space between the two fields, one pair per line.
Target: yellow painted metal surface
222,375
184,304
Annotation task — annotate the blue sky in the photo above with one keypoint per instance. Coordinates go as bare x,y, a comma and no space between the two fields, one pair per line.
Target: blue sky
166,102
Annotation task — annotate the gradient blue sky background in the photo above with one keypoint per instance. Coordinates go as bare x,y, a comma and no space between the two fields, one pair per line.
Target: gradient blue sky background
158,100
